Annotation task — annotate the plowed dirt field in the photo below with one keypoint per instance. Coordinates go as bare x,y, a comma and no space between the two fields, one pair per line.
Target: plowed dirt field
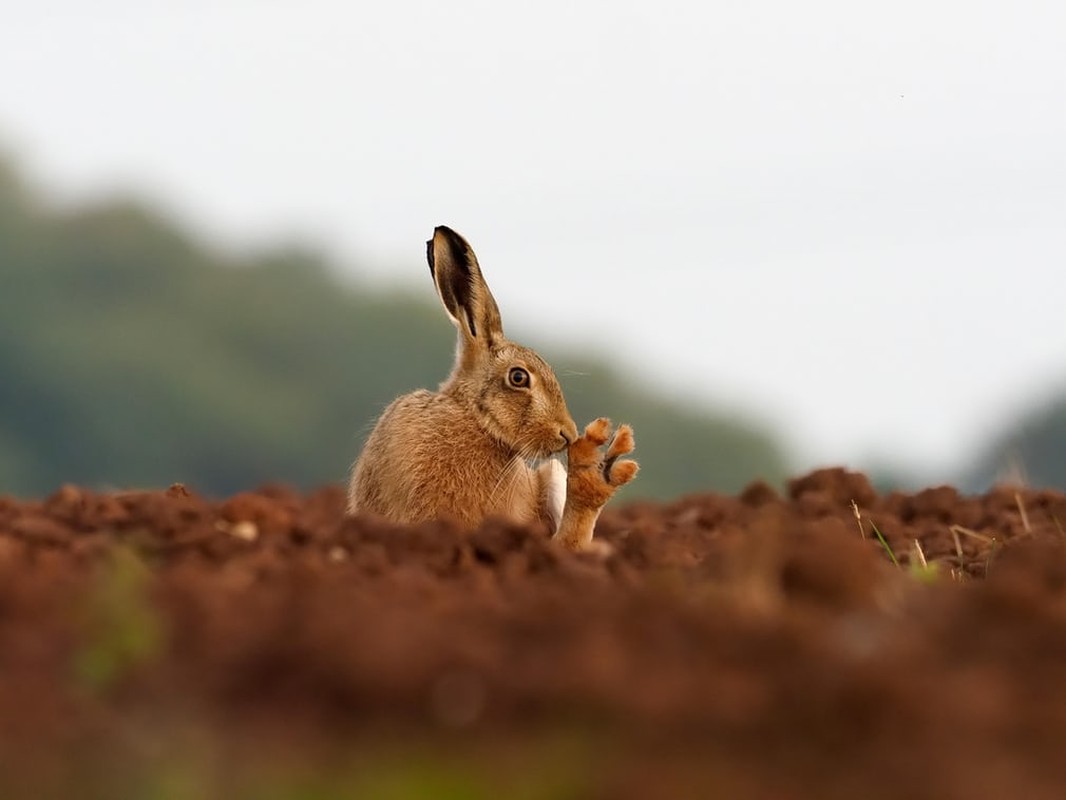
162,645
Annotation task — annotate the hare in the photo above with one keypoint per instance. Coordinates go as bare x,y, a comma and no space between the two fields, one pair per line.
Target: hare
465,451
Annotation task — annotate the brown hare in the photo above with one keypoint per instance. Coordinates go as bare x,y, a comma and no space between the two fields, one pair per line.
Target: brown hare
465,450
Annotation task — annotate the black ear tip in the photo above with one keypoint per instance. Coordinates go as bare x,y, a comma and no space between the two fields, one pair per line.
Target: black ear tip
454,240
443,232
456,245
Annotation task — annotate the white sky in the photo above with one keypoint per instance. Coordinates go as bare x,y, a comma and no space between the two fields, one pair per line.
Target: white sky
847,218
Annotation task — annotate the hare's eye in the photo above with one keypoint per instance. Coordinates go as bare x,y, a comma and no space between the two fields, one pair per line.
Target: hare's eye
518,378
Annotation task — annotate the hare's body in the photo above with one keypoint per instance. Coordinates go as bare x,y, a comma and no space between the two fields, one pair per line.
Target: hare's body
463,451
443,448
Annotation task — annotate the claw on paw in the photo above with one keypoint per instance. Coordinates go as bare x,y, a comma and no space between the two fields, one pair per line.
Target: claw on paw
598,430
615,472
622,443
585,451
622,472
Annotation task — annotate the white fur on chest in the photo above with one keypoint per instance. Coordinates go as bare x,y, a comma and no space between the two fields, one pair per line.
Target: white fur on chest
554,491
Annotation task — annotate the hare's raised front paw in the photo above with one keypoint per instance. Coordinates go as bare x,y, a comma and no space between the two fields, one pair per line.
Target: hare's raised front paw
594,475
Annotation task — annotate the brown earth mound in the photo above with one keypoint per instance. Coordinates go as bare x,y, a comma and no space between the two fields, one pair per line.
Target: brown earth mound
156,644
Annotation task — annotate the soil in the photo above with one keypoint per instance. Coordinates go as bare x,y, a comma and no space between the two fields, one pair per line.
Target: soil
160,644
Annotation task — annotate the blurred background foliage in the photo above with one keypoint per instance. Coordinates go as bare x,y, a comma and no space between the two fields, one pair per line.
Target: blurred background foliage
132,355
1031,450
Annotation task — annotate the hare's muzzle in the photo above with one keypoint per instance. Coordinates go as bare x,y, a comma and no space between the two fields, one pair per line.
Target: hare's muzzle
567,434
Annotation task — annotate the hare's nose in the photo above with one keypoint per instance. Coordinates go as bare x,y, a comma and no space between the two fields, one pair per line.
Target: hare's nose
569,433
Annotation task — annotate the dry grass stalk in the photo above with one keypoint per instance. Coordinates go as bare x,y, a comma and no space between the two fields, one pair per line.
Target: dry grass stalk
858,518
921,555
1021,509
973,534
958,543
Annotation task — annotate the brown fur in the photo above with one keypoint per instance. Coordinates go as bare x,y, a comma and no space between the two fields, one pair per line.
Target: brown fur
462,452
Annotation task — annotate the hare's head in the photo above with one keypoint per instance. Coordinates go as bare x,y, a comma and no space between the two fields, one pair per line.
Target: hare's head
512,391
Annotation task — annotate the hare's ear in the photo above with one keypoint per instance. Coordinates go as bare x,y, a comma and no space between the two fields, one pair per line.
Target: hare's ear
462,289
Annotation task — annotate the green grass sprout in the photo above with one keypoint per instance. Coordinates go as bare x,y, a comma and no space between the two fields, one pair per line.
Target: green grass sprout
884,543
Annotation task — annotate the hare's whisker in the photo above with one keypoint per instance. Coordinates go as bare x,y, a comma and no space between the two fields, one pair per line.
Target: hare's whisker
504,472
510,474
516,470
